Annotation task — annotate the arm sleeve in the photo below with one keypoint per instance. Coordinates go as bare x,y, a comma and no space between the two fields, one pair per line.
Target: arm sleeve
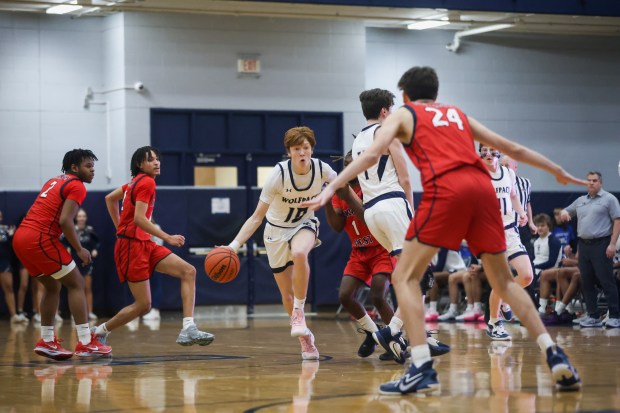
554,252
144,190
614,207
75,191
273,186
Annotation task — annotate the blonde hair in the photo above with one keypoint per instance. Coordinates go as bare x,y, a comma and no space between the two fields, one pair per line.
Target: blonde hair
296,136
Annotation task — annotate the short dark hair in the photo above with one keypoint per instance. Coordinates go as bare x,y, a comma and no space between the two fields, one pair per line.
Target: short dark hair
600,175
420,83
543,219
75,157
141,155
374,100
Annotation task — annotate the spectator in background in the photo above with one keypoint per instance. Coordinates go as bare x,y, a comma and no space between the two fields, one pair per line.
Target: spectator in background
564,232
6,272
90,241
448,269
598,228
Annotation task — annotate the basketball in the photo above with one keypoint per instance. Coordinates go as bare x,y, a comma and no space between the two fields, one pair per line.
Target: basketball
222,265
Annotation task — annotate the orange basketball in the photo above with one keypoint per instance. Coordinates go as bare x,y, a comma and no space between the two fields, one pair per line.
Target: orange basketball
222,265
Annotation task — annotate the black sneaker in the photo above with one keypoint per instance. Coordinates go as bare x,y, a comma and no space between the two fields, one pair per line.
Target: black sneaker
386,356
415,380
368,346
396,345
564,374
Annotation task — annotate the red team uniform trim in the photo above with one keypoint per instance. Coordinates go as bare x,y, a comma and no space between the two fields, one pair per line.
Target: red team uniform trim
36,241
458,200
134,253
368,257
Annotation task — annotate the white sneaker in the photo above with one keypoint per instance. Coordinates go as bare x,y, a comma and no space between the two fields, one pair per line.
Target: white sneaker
58,318
152,315
448,316
92,316
36,318
19,318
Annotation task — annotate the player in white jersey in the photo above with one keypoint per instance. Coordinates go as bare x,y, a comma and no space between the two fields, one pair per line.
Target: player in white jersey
503,180
291,231
388,205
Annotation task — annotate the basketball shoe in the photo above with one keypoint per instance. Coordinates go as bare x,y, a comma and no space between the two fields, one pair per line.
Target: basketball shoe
395,344
368,346
308,349
506,312
298,323
191,335
415,380
52,350
92,349
497,331
436,347
564,374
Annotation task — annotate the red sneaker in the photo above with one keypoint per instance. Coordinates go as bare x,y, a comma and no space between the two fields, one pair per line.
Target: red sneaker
52,350
92,349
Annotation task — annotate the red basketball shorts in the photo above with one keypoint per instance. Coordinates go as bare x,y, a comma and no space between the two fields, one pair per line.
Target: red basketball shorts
366,262
136,259
41,254
458,205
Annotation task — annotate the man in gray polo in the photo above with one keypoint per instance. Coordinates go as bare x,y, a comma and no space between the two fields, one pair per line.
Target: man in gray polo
598,227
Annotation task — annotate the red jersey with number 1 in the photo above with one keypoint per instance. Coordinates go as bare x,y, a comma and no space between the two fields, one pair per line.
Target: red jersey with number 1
357,231
141,188
44,214
442,141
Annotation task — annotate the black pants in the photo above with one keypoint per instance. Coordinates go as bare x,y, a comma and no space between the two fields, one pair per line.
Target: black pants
594,265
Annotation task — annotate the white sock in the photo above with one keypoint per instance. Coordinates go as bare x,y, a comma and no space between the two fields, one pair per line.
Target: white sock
367,324
494,320
47,333
420,355
559,307
543,305
188,321
83,332
452,308
570,309
101,330
478,307
433,306
544,341
299,303
469,308
396,324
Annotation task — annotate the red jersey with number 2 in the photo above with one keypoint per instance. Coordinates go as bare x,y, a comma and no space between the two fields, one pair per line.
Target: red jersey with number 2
442,141
357,231
141,188
44,214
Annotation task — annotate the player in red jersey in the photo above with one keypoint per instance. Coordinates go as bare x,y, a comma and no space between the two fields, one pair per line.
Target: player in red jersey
458,202
137,256
37,245
369,263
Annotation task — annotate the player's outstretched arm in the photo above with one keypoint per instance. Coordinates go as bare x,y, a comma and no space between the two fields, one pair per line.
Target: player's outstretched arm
250,226
147,225
521,153
111,201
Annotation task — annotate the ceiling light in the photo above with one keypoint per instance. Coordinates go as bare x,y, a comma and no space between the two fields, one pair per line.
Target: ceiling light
63,9
428,24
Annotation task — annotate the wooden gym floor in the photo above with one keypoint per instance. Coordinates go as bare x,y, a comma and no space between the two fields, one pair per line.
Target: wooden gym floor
255,366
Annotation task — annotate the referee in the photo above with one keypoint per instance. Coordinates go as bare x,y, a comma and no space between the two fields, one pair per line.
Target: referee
598,227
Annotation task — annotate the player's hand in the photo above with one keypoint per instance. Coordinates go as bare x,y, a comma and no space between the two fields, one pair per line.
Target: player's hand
522,220
533,228
565,178
175,240
84,255
324,197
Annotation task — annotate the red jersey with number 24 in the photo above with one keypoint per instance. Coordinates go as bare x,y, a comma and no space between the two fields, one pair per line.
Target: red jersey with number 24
357,231
442,141
141,188
44,214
